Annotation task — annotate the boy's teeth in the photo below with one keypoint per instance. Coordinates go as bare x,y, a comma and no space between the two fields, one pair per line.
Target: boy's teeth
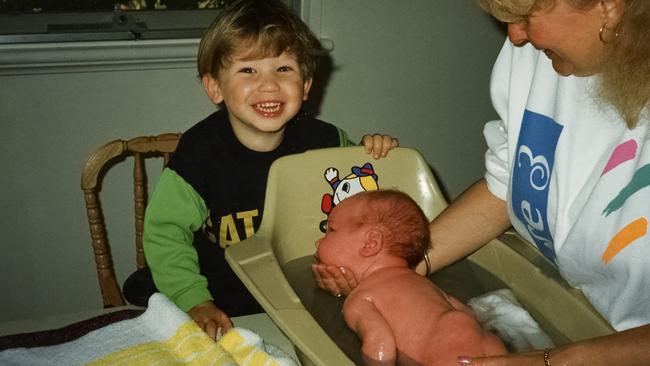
268,107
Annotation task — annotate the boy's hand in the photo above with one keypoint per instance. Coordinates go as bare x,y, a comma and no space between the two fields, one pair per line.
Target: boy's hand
210,318
378,145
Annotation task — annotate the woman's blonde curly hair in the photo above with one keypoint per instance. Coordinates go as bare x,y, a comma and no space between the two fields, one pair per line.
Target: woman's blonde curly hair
625,74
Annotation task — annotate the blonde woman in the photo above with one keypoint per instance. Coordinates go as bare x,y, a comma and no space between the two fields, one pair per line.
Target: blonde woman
568,166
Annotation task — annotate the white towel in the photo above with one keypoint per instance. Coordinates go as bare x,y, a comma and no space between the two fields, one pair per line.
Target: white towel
500,312
162,335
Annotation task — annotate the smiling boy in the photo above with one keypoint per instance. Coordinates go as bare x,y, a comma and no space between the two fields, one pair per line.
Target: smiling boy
256,61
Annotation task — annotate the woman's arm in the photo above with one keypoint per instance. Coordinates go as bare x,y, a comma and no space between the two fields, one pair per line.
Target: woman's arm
626,348
470,221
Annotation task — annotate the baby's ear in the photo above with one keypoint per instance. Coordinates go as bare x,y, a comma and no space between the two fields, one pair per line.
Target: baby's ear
373,242
211,86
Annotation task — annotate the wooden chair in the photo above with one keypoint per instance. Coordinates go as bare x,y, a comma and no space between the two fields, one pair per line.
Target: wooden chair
140,148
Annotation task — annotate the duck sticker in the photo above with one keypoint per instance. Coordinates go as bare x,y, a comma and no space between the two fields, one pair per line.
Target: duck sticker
361,179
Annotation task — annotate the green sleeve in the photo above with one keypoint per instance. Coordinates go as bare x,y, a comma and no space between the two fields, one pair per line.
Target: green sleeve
175,211
344,140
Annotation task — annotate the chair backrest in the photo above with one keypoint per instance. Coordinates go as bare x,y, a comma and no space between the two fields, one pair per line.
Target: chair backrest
139,148
300,189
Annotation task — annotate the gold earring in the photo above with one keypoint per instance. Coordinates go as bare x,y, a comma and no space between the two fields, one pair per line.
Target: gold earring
604,28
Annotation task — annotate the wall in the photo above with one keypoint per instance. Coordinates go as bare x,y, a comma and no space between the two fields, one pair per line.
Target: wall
418,70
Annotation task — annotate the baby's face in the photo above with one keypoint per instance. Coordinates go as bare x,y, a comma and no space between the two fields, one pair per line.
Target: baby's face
342,241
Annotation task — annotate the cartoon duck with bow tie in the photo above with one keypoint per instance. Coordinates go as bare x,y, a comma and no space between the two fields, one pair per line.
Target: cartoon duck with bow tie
361,179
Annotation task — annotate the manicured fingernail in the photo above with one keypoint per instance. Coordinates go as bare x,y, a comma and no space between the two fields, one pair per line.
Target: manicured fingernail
464,360
342,269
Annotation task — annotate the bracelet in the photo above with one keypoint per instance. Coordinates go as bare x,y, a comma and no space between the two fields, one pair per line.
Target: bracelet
427,264
547,356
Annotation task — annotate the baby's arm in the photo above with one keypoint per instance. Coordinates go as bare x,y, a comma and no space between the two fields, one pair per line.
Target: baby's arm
378,145
378,342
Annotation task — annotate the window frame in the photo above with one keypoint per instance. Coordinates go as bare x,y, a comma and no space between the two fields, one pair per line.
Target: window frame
113,25
70,52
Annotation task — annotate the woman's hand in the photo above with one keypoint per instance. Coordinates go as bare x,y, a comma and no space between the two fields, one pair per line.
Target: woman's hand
210,318
336,280
535,358
378,145
626,348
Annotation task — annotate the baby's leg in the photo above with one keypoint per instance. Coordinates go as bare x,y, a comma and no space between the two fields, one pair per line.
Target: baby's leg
492,344
459,334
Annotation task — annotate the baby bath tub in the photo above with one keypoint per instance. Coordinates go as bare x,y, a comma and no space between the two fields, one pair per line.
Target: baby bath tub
274,263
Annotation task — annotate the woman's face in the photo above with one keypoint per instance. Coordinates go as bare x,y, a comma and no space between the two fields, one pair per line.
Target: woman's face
568,36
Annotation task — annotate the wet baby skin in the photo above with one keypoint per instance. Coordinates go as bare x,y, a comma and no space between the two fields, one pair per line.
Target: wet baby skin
401,317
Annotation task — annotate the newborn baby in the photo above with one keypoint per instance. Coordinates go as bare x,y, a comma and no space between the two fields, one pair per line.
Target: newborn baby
400,316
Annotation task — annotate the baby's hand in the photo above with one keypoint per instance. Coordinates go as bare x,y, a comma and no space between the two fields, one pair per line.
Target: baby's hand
379,145
210,318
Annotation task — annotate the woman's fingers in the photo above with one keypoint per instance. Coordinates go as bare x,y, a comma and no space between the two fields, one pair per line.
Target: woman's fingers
344,280
325,279
337,280
317,276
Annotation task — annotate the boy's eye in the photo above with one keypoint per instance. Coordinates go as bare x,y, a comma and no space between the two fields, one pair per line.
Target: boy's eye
285,68
247,70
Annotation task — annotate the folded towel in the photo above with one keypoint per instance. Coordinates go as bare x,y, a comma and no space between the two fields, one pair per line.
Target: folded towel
500,312
162,335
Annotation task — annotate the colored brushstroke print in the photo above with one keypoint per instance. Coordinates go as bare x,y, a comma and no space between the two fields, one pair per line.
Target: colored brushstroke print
623,152
640,180
625,237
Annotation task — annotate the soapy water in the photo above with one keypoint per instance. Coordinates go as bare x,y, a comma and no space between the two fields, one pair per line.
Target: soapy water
463,280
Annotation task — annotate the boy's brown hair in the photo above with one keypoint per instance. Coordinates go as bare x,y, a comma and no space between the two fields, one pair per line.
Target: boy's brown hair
267,28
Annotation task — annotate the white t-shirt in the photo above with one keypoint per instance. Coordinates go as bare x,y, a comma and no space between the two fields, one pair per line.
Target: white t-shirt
576,179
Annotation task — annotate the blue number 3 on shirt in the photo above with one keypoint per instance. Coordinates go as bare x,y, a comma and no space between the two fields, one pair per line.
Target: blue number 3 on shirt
533,166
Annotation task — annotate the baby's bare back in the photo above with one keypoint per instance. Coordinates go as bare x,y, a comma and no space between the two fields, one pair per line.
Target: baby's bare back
430,327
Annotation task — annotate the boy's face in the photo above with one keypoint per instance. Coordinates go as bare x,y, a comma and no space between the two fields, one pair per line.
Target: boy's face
261,95
343,240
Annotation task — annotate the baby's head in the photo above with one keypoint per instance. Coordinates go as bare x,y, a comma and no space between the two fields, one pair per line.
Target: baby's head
387,215
259,29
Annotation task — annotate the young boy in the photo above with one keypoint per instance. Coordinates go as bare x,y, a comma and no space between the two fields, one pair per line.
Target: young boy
400,316
257,61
